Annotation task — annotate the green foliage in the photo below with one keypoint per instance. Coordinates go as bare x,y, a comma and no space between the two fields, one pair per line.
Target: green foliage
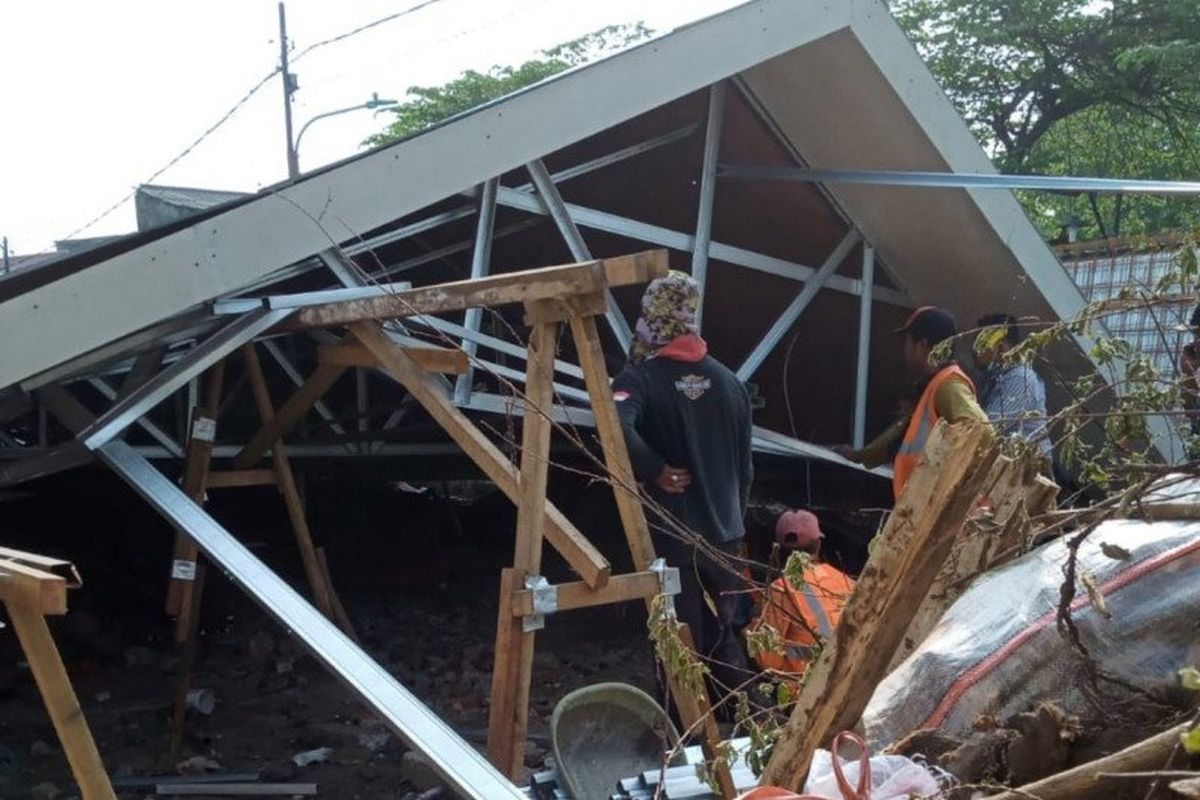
426,106
1191,741
1074,87
763,639
678,660
1189,678
797,564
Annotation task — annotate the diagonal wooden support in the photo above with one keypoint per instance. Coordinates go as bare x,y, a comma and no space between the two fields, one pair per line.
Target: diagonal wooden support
512,673
25,586
694,710
905,560
581,554
291,412
432,359
317,577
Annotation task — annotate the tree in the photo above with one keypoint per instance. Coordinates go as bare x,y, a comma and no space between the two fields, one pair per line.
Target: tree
1105,88
428,105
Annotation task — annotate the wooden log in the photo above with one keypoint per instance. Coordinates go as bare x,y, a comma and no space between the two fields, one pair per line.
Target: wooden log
580,553
61,703
905,560
512,673
291,412
237,478
431,359
619,589
493,290
1084,781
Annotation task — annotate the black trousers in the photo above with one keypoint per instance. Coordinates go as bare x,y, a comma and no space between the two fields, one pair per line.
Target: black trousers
716,635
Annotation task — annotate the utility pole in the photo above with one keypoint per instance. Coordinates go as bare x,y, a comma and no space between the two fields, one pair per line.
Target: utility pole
289,87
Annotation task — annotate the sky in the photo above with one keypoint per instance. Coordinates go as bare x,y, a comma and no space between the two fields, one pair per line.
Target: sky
99,96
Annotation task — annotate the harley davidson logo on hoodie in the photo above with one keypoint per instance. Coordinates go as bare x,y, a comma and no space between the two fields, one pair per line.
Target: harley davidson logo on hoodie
693,386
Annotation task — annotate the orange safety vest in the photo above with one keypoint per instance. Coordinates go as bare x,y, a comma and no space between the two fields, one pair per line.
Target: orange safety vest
819,604
924,417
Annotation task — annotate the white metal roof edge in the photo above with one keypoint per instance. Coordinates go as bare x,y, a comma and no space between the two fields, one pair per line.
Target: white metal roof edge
224,253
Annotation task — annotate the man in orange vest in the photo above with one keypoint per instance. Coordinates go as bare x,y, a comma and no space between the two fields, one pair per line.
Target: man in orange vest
803,614
943,391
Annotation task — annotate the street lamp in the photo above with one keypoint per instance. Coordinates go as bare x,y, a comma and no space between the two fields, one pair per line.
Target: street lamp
376,102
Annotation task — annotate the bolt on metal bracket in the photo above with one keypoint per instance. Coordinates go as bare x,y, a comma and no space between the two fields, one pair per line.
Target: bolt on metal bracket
669,584
545,601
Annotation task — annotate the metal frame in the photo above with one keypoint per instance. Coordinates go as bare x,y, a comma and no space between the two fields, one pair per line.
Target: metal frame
467,772
958,180
161,436
148,395
792,313
481,259
863,363
552,202
297,380
708,185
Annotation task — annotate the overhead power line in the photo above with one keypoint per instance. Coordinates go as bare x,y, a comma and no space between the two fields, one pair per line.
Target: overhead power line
241,102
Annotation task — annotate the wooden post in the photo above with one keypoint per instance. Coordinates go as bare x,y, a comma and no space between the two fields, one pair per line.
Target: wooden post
28,593
694,711
905,559
512,673
305,397
287,487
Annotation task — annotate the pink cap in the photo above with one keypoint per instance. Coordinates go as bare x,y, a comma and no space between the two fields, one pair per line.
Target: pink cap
798,529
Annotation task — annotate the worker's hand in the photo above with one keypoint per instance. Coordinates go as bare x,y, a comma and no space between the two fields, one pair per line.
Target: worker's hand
848,452
673,480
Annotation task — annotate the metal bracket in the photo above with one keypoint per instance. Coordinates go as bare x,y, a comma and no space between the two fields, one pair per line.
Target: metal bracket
545,601
669,584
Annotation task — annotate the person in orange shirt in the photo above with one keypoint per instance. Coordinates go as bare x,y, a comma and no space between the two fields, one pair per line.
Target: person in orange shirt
801,615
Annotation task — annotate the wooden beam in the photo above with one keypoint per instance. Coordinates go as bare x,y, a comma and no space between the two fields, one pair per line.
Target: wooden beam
291,412
61,702
21,584
493,290
234,478
905,559
513,671
431,359
579,553
59,458
619,589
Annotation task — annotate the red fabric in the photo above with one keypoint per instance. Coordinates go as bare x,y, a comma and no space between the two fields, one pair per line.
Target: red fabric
689,348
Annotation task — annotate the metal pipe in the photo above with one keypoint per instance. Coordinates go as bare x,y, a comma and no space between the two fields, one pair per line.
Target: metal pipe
708,184
792,313
481,259
864,346
960,180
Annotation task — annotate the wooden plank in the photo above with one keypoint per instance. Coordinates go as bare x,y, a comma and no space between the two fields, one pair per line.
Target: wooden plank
52,461
503,695
493,290
619,589
22,584
513,668
61,703
291,412
287,485
581,554
234,478
431,359
236,789
694,710
339,611
905,559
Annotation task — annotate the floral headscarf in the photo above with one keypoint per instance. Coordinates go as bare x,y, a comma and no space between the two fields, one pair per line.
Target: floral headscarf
668,311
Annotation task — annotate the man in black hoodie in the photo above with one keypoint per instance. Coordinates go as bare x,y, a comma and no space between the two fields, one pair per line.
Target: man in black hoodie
686,419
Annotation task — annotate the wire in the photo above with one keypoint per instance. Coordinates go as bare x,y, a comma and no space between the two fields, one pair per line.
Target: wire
244,99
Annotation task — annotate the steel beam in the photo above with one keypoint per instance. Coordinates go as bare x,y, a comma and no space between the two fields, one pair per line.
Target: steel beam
960,180
552,202
147,425
665,237
490,342
708,185
211,350
792,313
481,259
864,347
457,762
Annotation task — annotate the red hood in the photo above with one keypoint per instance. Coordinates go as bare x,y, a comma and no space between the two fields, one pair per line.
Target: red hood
690,348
